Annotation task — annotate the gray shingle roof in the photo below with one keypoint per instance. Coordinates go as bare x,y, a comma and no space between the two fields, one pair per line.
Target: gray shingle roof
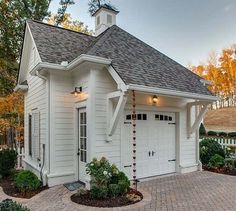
57,44
135,61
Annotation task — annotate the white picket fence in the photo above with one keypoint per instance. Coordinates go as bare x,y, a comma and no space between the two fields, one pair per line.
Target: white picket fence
224,142
20,156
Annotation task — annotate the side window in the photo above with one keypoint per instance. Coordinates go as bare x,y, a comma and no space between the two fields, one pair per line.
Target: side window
109,19
98,20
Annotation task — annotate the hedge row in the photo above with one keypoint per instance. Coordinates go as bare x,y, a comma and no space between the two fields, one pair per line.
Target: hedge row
222,134
202,132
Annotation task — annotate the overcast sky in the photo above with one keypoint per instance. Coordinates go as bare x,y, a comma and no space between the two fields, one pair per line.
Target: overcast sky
185,30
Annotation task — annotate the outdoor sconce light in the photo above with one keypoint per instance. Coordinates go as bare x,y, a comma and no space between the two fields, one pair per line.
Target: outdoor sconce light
154,99
77,91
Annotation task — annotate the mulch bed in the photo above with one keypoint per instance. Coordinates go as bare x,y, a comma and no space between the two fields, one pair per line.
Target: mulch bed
108,202
9,189
221,170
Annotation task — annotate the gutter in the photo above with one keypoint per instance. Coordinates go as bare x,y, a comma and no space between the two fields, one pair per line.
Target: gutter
40,76
79,60
170,92
20,87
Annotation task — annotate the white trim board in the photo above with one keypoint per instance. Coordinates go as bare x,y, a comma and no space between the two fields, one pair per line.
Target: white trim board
169,92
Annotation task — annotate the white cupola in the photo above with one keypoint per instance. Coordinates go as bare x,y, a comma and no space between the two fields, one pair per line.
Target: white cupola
105,17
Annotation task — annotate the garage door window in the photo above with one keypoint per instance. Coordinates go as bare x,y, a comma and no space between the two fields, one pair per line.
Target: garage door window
160,117
136,116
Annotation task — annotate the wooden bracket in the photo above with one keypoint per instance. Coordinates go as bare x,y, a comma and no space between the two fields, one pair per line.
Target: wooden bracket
113,117
191,128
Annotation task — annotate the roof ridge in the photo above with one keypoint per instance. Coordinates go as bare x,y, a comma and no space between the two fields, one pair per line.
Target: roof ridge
58,27
99,37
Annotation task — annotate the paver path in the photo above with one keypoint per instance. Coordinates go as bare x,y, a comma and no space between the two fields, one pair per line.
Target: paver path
198,191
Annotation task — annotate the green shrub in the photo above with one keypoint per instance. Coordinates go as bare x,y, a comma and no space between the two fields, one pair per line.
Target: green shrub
9,205
232,135
106,179
27,181
216,161
212,133
208,148
99,192
223,134
114,189
202,130
230,163
122,180
7,161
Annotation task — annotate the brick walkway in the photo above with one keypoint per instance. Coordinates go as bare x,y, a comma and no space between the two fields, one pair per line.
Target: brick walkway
197,191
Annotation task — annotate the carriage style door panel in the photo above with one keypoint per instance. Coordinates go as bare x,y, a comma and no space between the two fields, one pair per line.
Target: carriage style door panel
155,137
82,143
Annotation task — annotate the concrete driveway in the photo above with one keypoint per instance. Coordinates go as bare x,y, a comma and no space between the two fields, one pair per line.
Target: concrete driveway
194,191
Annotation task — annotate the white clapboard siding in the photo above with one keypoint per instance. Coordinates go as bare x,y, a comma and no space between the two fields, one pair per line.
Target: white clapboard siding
187,145
35,104
104,84
63,118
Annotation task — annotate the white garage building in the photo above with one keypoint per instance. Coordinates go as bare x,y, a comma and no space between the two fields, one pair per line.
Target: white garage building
64,131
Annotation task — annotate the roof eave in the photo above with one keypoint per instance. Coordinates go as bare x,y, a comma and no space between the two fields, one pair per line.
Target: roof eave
173,93
80,59
19,87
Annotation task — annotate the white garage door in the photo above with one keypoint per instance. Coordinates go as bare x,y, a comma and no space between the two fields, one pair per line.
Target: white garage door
155,137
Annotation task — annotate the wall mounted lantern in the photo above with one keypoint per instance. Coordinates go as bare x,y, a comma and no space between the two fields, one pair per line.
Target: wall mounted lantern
77,91
154,99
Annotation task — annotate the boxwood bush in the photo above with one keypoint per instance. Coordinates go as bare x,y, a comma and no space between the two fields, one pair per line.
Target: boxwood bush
208,148
222,134
232,135
7,161
9,205
212,133
216,161
27,181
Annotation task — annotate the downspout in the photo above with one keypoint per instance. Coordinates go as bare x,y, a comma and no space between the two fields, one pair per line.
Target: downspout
37,73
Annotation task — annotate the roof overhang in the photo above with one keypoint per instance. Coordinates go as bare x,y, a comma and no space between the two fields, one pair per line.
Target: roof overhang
173,93
75,63
19,87
107,62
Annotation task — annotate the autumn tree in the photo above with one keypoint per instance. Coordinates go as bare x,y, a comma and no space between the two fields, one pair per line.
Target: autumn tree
60,16
69,23
221,71
13,14
11,117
